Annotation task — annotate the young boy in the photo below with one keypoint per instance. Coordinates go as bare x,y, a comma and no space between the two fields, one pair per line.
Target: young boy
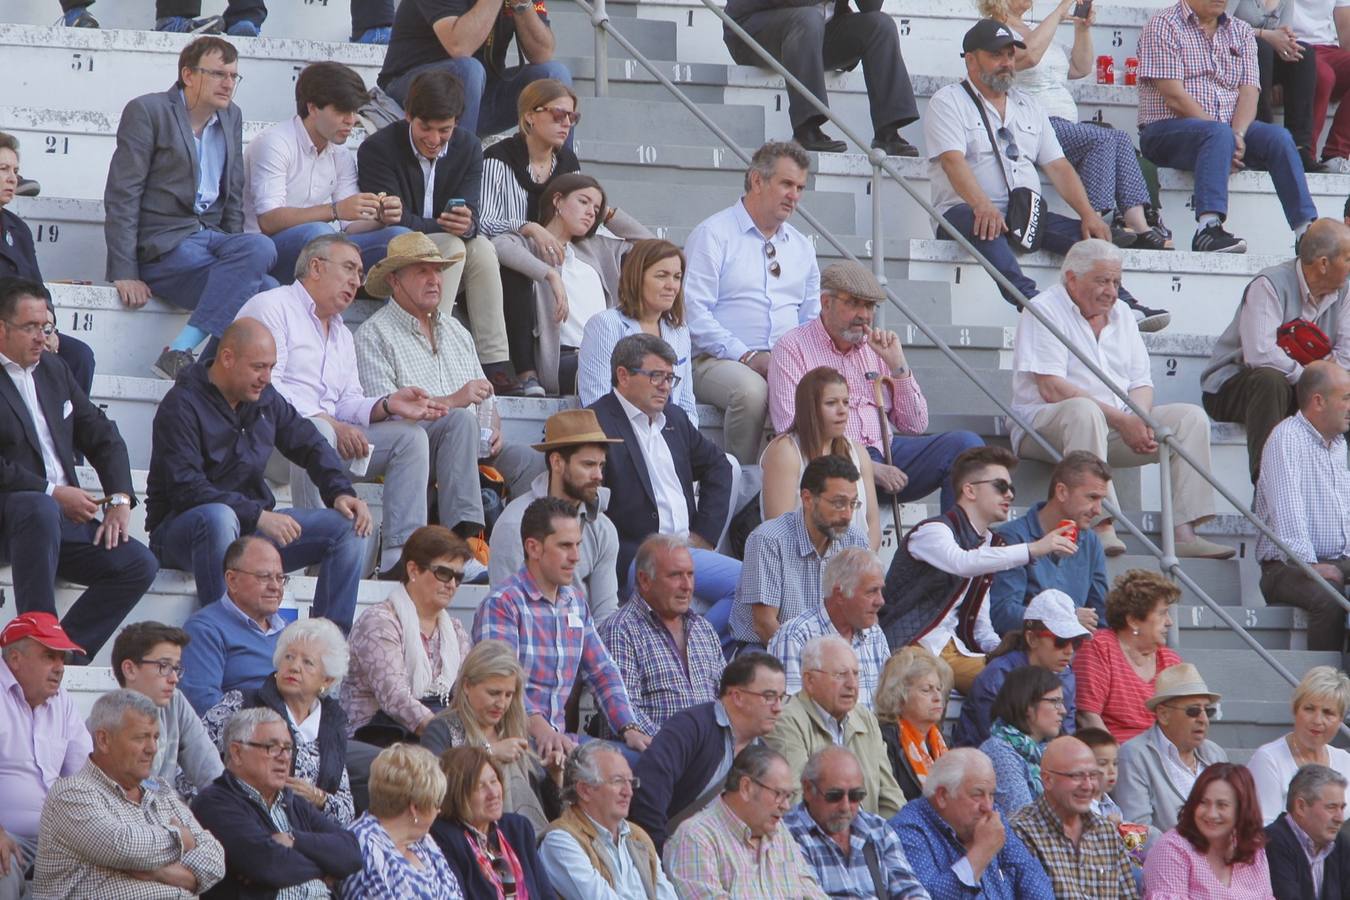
1105,748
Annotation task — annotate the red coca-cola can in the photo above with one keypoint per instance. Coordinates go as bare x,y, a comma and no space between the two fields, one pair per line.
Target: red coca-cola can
1072,533
1106,70
1131,70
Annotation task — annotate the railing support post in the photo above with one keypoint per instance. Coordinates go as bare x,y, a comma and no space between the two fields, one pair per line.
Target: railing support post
1168,541
600,18
876,157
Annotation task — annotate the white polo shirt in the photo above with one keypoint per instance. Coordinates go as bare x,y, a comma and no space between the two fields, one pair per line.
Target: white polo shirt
283,169
1119,351
953,123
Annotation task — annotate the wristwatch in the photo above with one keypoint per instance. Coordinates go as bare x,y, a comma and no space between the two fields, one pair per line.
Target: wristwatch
119,500
520,7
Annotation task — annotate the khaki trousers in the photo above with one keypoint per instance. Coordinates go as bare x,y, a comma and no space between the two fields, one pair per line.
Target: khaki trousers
965,669
742,395
481,276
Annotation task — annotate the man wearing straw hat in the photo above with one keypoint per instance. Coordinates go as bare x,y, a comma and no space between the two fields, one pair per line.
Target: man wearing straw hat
408,342
574,452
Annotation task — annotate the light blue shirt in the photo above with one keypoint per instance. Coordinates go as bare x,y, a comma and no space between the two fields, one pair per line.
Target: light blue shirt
210,161
734,303
574,878
603,331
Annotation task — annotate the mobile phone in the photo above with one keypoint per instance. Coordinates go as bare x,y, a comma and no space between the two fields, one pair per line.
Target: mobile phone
454,203
1082,8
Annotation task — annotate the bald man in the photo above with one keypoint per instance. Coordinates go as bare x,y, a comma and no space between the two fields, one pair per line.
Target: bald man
1080,850
213,434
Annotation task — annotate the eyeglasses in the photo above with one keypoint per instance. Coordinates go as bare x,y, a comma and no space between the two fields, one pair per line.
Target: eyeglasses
771,252
619,781
446,575
165,666
772,698
842,503
219,74
1194,710
1002,485
841,676
834,795
273,751
1056,702
1061,643
1010,150
32,328
351,268
1084,776
658,378
560,115
781,797
266,577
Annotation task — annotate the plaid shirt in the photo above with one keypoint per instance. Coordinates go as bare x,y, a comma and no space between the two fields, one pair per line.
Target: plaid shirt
554,641
1173,46
1098,868
660,679
851,877
92,834
314,889
392,352
1301,493
782,569
870,645
710,855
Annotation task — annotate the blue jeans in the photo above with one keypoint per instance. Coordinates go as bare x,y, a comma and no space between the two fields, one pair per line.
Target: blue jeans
715,578
1206,148
213,274
489,103
290,241
196,541
927,460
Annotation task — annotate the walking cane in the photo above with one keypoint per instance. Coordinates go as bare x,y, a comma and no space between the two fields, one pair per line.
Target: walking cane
878,380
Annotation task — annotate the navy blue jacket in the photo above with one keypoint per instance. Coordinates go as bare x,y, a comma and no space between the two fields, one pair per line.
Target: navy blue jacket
1291,876
517,831
697,461
257,866
676,767
18,259
386,162
204,452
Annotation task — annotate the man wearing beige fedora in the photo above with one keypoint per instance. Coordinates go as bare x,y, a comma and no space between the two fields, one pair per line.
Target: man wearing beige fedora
574,451
1159,767
409,342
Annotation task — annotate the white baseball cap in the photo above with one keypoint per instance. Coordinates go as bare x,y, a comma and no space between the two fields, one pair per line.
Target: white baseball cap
1055,609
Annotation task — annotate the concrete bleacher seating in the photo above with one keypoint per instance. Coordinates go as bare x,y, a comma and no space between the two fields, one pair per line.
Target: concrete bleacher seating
67,89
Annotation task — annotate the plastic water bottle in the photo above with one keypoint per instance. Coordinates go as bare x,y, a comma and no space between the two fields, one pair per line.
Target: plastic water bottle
485,427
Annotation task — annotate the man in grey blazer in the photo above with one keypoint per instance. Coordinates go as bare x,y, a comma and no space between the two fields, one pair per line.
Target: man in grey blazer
173,202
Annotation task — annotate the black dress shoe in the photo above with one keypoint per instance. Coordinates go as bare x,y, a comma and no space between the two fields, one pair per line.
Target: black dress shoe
813,139
504,380
1310,164
894,145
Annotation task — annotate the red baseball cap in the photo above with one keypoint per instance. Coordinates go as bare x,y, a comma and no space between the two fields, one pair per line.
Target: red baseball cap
42,627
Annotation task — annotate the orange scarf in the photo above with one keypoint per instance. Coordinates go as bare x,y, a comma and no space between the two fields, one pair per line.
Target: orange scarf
921,749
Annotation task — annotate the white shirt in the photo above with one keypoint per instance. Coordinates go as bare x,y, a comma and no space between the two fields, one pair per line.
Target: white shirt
1313,21
1182,775
934,544
27,388
428,174
953,123
284,170
1273,767
585,297
1118,351
671,508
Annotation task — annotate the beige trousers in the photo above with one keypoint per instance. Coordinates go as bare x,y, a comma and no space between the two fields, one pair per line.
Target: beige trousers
481,276
965,669
1080,424
743,397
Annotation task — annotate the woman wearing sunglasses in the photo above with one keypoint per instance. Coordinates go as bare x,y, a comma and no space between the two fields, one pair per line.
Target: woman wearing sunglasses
1320,702
1159,767
1028,713
491,851
407,650
1050,635
572,285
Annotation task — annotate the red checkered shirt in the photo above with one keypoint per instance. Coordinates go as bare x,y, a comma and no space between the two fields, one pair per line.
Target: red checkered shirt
1174,46
809,346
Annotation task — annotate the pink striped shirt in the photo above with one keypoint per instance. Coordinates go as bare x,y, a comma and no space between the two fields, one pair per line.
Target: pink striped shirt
1109,687
809,346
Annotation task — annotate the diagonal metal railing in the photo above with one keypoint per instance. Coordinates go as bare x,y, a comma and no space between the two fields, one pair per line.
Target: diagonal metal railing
880,163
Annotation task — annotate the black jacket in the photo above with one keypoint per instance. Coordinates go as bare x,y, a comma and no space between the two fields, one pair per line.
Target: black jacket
387,162
332,731
202,451
682,758
517,832
1291,876
18,258
256,867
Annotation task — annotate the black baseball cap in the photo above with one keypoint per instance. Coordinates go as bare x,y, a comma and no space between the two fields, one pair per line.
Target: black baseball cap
990,34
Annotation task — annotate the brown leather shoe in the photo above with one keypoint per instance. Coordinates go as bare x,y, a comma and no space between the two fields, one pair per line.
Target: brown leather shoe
504,380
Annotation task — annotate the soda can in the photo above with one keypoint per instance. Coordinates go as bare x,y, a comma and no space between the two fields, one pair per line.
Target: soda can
1106,70
1131,70
1072,533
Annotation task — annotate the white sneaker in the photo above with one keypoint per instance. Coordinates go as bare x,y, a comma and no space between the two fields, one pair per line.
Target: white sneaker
1337,166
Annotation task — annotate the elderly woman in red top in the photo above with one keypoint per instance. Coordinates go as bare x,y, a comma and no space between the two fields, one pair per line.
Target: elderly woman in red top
1117,668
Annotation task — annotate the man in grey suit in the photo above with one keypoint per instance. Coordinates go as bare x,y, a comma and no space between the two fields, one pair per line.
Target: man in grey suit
174,202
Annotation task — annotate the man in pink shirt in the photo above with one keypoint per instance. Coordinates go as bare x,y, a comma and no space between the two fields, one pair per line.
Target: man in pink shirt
843,339
42,736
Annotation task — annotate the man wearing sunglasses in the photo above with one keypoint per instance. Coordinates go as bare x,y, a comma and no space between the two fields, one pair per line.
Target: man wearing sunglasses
1159,767
854,853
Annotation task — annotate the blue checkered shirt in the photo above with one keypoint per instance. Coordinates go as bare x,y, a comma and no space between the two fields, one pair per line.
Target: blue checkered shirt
840,877
870,645
782,569
1301,493
661,680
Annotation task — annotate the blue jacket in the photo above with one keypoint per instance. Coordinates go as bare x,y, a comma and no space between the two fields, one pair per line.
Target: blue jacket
18,259
676,767
202,451
1081,576
973,726
1012,775
933,848
257,866
633,510
517,832
226,653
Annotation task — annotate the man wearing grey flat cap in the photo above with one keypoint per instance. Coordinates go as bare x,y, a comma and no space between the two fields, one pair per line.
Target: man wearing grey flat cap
843,338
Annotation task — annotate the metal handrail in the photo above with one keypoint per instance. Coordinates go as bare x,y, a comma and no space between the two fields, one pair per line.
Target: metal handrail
1168,561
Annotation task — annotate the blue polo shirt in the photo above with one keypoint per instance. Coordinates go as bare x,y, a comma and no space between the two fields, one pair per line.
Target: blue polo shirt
1081,576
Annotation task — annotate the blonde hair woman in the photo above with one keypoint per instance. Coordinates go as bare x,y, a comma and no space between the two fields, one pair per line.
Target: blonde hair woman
910,703
1319,706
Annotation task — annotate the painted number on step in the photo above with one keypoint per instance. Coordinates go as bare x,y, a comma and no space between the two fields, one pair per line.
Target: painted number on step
717,154
867,247
82,62
646,153
316,2
1176,284
958,275
904,27
1171,366
58,145
683,72
1099,116
1117,39
963,337
81,321
48,234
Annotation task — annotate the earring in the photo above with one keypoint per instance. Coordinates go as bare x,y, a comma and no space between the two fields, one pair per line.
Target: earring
1134,631
415,818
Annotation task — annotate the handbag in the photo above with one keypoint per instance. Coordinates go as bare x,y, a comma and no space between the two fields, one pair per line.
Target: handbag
1026,207
1303,341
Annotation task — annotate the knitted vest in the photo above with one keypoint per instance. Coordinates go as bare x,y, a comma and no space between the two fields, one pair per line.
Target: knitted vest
1227,358
583,831
919,596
